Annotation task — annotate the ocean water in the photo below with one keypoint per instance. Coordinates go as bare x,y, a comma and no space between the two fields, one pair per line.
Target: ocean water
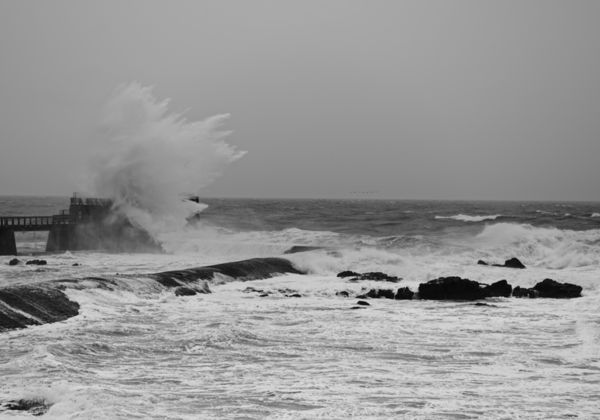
141,352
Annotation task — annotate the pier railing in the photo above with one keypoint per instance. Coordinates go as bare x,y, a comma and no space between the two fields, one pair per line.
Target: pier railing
33,222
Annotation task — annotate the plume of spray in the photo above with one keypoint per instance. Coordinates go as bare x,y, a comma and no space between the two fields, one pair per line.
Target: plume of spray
150,158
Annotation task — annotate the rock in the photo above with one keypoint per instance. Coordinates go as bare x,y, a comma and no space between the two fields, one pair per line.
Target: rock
510,263
378,293
498,289
363,303
295,295
36,262
404,293
549,288
513,263
75,265
520,292
342,293
184,291
379,276
451,288
348,273
35,406
14,261
263,295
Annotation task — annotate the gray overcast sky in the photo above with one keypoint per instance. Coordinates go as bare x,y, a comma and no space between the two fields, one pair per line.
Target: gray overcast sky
399,99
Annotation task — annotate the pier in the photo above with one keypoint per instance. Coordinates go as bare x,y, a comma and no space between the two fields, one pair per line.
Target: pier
63,228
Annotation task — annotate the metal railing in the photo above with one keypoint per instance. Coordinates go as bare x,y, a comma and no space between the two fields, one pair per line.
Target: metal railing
31,221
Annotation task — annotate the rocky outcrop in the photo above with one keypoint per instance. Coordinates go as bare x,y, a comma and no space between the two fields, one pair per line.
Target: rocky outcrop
348,273
549,288
521,292
14,261
404,293
510,263
373,276
451,288
46,302
36,262
498,289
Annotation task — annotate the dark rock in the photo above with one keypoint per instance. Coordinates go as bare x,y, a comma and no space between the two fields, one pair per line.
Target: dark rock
36,262
35,407
363,303
481,262
513,263
404,293
484,304
358,307
498,289
379,276
521,292
451,288
379,293
21,306
264,294
549,288
295,295
348,274
14,261
342,293
301,248
75,265
184,291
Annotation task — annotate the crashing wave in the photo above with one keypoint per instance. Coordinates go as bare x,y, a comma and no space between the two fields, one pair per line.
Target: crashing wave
469,218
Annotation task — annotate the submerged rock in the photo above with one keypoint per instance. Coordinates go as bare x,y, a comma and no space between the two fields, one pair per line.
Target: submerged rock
498,289
35,406
342,293
451,288
36,262
481,262
549,288
184,291
363,303
379,276
14,261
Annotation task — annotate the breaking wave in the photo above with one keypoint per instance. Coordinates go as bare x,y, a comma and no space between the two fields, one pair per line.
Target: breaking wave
149,157
469,218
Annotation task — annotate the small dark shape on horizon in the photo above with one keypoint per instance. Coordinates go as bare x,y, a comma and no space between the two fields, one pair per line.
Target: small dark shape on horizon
510,263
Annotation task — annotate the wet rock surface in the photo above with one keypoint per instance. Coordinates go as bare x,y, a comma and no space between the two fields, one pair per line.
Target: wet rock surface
549,288
34,407
36,262
451,288
14,261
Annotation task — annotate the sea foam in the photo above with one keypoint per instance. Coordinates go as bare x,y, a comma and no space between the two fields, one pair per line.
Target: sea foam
149,158
469,218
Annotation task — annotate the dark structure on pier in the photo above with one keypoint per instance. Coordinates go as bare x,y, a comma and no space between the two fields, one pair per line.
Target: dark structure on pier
88,224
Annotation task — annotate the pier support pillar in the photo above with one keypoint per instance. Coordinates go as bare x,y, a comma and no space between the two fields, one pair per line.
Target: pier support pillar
59,238
8,245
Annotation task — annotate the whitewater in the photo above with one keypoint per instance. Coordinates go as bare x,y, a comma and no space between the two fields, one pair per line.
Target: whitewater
290,344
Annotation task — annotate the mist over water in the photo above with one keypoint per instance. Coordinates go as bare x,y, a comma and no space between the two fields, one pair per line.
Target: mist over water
149,158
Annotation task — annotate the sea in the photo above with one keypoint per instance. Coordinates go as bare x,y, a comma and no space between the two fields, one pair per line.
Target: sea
140,352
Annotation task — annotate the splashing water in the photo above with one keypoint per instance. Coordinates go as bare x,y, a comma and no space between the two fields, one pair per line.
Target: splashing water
150,157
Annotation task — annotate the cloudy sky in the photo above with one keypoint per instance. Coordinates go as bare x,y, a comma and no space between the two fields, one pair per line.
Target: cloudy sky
385,99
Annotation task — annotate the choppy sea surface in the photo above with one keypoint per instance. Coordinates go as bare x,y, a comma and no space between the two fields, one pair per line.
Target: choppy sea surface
144,353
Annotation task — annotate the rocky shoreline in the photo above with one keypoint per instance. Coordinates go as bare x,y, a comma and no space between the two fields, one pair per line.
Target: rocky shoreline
22,306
